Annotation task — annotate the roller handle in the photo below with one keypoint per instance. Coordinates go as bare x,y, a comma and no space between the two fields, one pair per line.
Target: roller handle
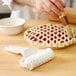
64,19
66,24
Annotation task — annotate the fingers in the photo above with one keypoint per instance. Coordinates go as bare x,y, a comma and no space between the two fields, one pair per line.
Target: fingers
51,7
59,4
42,11
49,11
52,14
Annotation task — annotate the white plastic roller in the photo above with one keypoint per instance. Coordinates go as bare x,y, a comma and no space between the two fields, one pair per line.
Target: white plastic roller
32,58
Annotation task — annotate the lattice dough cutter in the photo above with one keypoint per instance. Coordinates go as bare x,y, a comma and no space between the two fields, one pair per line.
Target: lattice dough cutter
31,58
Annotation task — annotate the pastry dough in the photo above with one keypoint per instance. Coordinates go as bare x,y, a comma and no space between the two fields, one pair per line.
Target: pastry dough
49,35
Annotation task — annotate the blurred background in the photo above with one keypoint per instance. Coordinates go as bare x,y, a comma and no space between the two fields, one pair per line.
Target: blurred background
5,11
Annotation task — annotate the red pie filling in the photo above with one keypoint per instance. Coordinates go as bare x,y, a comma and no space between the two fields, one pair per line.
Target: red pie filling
58,39
66,35
48,32
29,31
37,28
45,35
48,29
52,27
37,35
66,39
41,29
45,31
51,39
62,41
41,32
26,34
59,31
32,38
63,37
52,31
55,32
35,39
55,26
51,34
48,41
55,37
41,26
63,33
59,35
45,25
40,37
40,42
44,39
48,36
54,41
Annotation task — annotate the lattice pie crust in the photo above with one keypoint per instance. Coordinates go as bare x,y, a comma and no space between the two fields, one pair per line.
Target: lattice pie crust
49,35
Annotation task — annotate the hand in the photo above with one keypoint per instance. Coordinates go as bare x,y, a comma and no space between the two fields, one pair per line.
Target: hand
52,7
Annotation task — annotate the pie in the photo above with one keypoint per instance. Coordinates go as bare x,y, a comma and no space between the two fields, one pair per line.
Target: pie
49,35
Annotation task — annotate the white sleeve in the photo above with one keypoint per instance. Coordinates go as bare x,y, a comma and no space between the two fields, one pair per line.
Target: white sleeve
15,8
11,4
7,2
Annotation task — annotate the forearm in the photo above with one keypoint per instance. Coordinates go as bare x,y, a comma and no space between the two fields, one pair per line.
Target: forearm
25,2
